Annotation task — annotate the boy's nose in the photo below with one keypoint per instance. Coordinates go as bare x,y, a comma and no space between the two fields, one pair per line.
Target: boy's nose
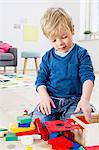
60,42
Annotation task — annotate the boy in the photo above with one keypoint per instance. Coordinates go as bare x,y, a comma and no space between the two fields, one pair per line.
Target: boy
65,78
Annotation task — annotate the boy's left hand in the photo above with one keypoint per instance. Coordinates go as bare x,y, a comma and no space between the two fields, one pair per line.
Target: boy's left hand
84,105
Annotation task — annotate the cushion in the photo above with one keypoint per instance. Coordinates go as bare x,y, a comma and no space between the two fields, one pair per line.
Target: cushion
30,54
6,56
4,47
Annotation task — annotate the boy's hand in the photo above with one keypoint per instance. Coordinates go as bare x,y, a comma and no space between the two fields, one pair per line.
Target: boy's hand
45,106
84,105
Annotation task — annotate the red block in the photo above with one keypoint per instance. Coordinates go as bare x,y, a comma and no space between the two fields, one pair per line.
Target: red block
92,148
45,134
38,125
60,148
60,142
69,134
27,133
60,125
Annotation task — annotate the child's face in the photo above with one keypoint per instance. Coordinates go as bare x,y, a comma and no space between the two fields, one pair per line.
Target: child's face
62,41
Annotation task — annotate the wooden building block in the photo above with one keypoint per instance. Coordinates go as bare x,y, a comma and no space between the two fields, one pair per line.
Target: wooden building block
69,134
60,142
81,148
38,125
24,125
24,119
3,132
15,129
61,125
45,134
27,133
3,129
11,137
88,135
53,135
29,148
92,148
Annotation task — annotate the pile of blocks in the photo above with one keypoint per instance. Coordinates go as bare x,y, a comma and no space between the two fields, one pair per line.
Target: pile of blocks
26,130
59,134
84,133
24,126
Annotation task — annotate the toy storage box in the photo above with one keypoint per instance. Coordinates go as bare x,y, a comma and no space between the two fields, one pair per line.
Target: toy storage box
88,135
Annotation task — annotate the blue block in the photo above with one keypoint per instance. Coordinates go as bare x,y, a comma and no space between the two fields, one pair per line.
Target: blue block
24,124
75,146
53,135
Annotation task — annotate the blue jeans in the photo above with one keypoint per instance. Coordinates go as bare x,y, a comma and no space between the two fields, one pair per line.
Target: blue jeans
64,109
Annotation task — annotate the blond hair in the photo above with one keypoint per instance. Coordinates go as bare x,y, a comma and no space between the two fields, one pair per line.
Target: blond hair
53,18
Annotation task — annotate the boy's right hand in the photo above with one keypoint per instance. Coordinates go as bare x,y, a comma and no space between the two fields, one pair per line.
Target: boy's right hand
45,106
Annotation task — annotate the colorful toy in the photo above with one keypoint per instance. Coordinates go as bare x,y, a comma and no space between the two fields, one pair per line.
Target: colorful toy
29,148
80,148
53,135
69,134
27,140
3,129
60,142
24,124
43,132
15,129
3,132
26,113
87,136
24,119
27,132
60,125
62,135
92,148
11,137
38,125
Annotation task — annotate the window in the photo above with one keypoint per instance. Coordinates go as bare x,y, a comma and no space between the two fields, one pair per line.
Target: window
89,17
94,20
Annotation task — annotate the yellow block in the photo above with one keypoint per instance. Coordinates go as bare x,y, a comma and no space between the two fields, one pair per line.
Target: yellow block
29,148
15,129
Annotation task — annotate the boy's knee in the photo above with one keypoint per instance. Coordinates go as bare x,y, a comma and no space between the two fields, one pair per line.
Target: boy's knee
40,115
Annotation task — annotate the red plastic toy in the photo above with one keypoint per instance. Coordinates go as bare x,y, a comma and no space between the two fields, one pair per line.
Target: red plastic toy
60,125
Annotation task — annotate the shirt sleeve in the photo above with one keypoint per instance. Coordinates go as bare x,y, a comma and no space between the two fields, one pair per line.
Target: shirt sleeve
43,73
41,87
86,71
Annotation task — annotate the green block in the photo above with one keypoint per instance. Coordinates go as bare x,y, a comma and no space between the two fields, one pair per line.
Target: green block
81,148
11,137
24,119
3,129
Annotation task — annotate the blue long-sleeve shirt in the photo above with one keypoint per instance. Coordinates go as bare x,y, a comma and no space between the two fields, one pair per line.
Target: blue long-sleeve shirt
64,76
